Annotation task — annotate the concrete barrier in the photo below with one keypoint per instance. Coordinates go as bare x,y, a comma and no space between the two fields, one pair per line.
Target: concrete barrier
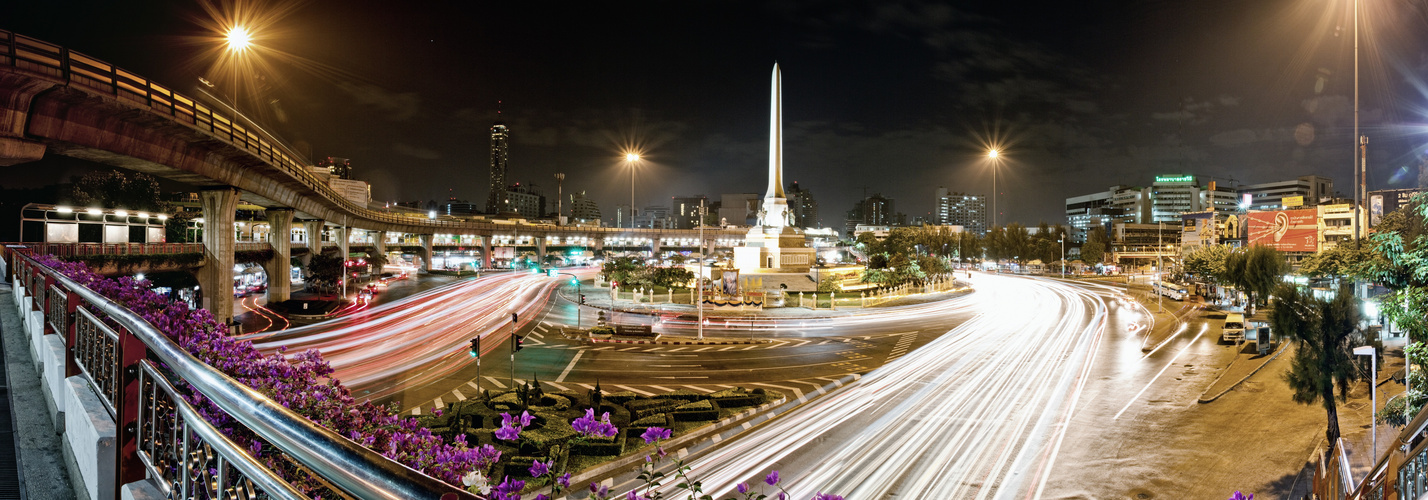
90,438
52,373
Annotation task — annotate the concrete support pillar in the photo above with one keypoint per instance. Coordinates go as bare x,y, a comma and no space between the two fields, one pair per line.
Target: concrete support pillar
279,268
599,245
344,246
14,115
215,277
654,246
379,243
486,252
425,251
314,234
540,249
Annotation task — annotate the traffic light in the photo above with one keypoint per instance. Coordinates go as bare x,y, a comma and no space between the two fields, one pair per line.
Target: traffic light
517,343
551,273
476,347
582,299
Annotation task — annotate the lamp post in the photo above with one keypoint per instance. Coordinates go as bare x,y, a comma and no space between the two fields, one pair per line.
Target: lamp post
630,159
238,39
1373,389
699,278
1063,257
577,297
1159,240
995,155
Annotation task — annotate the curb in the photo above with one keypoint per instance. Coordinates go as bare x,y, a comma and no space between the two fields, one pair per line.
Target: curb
680,342
1232,387
706,436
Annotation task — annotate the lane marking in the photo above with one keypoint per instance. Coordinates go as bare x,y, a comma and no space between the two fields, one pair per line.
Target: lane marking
570,366
498,383
458,394
438,404
1162,372
634,390
558,387
697,388
661,389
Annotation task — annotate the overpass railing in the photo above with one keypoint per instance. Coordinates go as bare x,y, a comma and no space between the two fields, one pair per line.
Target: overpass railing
79,70
131,366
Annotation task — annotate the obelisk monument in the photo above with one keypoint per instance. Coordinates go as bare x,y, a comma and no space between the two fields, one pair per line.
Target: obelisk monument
775,206
774,246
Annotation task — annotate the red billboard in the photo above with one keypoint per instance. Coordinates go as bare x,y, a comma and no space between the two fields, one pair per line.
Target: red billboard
1285,230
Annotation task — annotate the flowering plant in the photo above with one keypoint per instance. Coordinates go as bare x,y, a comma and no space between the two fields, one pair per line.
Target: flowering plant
300,382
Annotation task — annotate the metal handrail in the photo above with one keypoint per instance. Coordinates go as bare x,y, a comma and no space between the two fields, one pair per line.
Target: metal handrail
348,466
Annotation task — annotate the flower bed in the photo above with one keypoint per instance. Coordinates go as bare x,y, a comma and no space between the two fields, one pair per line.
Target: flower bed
300,382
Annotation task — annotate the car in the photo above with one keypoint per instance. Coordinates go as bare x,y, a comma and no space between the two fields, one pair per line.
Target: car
1234,328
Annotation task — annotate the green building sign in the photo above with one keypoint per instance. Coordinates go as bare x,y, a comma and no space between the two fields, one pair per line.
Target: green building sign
1174,178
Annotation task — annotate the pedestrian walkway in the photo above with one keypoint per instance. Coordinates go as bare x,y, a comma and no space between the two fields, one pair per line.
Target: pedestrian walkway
29,439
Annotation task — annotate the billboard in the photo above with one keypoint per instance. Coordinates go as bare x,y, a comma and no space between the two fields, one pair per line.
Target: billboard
1285,230
1292,201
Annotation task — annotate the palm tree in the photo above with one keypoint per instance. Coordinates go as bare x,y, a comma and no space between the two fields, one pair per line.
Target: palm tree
1323,334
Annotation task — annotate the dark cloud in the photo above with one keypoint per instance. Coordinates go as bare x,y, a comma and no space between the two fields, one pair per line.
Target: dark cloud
419,153
395,106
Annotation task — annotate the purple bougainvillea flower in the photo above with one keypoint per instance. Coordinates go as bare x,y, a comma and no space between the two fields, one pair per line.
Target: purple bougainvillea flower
539,468
772,478
653,434
827,496
563,480
743,488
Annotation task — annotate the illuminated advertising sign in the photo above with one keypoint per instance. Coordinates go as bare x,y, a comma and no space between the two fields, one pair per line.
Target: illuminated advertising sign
1246,199
1292,201
1285,230
1174,178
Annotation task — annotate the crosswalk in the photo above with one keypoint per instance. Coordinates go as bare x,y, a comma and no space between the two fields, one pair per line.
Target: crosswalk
902,346
797,389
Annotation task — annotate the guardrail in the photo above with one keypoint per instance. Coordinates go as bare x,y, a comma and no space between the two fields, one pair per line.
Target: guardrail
162,438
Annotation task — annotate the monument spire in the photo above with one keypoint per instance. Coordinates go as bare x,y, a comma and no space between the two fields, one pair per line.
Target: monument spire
775,189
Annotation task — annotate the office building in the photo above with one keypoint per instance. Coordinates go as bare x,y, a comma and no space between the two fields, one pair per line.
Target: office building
684,211
340,168
1308,190
525,201
740,209
803,207
583,210
960,209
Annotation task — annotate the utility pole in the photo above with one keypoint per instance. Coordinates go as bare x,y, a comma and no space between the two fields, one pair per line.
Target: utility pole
1159,264
515,346
559,198
699,279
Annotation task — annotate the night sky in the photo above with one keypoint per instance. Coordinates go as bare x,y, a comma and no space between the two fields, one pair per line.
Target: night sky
883,97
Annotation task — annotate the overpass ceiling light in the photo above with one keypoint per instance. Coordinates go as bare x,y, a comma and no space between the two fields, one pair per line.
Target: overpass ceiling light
163,217
93,211
64,210
121,213
144,214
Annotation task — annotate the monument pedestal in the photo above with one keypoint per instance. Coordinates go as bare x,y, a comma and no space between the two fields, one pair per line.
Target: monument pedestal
774,249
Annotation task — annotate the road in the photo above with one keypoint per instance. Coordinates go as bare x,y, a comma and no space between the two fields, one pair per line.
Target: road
979,412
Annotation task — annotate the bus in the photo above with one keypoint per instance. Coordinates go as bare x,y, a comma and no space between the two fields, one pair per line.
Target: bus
1172,290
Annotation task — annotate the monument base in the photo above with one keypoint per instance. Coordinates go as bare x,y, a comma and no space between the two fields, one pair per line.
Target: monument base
774,249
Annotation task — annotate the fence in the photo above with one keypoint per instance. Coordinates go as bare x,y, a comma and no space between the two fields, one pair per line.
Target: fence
100,350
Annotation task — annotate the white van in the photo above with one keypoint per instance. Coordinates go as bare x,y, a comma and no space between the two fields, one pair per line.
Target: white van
1234,328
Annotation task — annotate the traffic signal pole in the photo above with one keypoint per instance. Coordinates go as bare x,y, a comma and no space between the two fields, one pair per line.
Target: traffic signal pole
515,346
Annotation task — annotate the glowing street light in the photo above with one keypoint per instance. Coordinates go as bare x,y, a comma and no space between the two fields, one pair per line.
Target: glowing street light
239,39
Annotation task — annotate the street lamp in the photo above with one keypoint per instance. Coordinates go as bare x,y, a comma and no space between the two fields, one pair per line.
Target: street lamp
1063,257
238,39
559,199
1373,389
699,278
630,159
995,155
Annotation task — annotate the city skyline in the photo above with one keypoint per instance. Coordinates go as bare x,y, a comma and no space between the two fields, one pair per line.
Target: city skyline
916,90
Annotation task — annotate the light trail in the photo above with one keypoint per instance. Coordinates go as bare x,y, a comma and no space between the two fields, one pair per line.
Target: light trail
380,351
976,413
1187,347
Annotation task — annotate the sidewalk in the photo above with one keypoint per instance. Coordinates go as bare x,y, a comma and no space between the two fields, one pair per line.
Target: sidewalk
599,298
37,444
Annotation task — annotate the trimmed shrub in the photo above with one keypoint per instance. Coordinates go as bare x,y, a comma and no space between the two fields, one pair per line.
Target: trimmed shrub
683,395
641,408
696,411
619,398
601,447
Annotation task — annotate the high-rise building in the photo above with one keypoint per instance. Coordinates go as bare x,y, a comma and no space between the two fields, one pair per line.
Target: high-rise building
684,211
500,139
960,209
583,209
1172,195
340,168
803,207
875,210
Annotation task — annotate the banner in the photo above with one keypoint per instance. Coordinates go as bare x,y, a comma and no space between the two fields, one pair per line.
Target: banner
1285,230
730,282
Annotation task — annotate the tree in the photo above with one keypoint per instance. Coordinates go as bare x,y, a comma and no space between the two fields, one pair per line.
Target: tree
176,228
115,190
969,247
1264,268
325,268
1341,262
1398,260
1323,333
1207,263
1094,250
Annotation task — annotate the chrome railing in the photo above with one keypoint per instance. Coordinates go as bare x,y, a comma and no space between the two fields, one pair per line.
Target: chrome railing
188,457
113,359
